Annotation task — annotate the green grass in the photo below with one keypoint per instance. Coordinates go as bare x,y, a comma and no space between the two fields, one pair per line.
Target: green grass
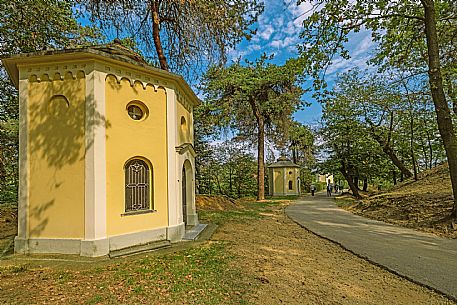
197,276
342,202
248,210
283,198
204,274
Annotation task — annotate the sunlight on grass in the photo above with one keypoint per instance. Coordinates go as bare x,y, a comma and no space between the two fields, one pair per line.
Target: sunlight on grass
247,210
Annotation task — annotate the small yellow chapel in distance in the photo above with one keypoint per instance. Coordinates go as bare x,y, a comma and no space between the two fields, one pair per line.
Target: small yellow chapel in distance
106,151
284,178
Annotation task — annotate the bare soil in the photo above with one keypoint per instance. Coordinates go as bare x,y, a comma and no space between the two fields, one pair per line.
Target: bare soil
424,205
290,265
215,203
268,258
8,220
8,228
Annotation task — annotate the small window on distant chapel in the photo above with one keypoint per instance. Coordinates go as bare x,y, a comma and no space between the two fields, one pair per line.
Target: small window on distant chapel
290,185
138,176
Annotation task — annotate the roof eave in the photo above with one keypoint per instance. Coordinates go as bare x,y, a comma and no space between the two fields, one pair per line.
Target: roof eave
11,62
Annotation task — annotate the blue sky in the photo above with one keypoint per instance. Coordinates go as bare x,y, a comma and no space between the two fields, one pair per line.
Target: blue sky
278,30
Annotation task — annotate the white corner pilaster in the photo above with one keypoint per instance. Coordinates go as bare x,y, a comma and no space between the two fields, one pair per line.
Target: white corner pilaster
95,160
173,177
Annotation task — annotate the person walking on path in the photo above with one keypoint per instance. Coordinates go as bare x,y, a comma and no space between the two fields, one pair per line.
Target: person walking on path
329,190
313,189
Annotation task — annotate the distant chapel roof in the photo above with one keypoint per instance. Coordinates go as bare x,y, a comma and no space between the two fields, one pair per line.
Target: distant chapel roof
283,161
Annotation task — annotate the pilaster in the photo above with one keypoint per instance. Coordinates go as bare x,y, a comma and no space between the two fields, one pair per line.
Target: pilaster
173,171
95,164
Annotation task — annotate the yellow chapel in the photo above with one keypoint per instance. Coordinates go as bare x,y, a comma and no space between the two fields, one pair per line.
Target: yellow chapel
106,151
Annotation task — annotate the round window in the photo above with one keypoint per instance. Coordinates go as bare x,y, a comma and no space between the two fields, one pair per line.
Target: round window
135,112
290,173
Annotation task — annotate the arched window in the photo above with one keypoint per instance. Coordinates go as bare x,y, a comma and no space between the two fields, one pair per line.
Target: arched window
138,176
290,185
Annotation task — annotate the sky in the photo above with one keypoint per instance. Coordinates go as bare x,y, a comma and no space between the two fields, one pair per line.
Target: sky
278,30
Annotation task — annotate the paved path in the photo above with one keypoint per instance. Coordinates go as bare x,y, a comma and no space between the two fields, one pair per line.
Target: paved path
421,257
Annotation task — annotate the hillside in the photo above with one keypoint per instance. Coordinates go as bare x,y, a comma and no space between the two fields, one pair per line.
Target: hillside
423,205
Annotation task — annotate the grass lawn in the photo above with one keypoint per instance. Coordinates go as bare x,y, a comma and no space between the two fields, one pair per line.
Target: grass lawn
201,273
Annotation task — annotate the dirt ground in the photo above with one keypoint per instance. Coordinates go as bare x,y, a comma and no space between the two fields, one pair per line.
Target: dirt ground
8,228
278,262
424,205
215,203
293,266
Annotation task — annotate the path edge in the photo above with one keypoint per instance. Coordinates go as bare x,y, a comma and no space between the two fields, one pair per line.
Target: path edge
371,261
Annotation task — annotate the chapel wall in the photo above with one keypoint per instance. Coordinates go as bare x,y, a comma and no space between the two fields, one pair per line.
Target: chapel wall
55,154
126,139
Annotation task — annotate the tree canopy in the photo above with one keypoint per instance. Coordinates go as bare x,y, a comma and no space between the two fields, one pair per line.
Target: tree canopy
414,35
180,36
253,97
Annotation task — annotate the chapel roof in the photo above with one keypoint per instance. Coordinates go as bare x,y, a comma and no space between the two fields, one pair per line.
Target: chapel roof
283,161
113,51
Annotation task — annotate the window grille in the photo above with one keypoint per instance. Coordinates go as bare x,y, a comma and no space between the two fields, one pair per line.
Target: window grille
137,186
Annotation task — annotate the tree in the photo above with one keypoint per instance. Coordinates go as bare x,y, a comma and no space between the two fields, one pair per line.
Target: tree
254,96
404,30
348,143
183,35
28,26
301,143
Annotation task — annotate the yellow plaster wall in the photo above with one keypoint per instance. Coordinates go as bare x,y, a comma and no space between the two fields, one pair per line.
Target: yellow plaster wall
278,180
185,134
127,138
56,155
292,177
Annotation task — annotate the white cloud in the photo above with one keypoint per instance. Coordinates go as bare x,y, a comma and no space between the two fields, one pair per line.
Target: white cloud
300,12
284,43
266,33
365,44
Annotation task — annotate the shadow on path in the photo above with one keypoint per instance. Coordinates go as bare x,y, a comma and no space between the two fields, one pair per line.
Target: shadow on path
423,258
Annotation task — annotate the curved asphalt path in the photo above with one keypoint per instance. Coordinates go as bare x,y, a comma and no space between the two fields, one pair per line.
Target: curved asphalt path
420,257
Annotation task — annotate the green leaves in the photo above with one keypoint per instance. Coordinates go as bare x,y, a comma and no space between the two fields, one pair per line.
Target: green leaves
32,25
245,92
193,34
397,27
29,26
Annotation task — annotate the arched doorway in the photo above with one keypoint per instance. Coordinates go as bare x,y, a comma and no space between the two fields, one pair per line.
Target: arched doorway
187,192
184,195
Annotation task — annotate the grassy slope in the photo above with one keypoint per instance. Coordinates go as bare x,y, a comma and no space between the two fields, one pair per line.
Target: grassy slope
424,205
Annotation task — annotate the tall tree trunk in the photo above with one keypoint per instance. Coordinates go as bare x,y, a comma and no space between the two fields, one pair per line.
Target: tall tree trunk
350,181
365,184
261,159
356,181
451,93
442,110
156,34
221,192
413,155
294,152
230,182
394,177
387,149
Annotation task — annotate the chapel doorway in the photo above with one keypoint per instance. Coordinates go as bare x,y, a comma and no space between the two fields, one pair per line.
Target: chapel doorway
184,195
